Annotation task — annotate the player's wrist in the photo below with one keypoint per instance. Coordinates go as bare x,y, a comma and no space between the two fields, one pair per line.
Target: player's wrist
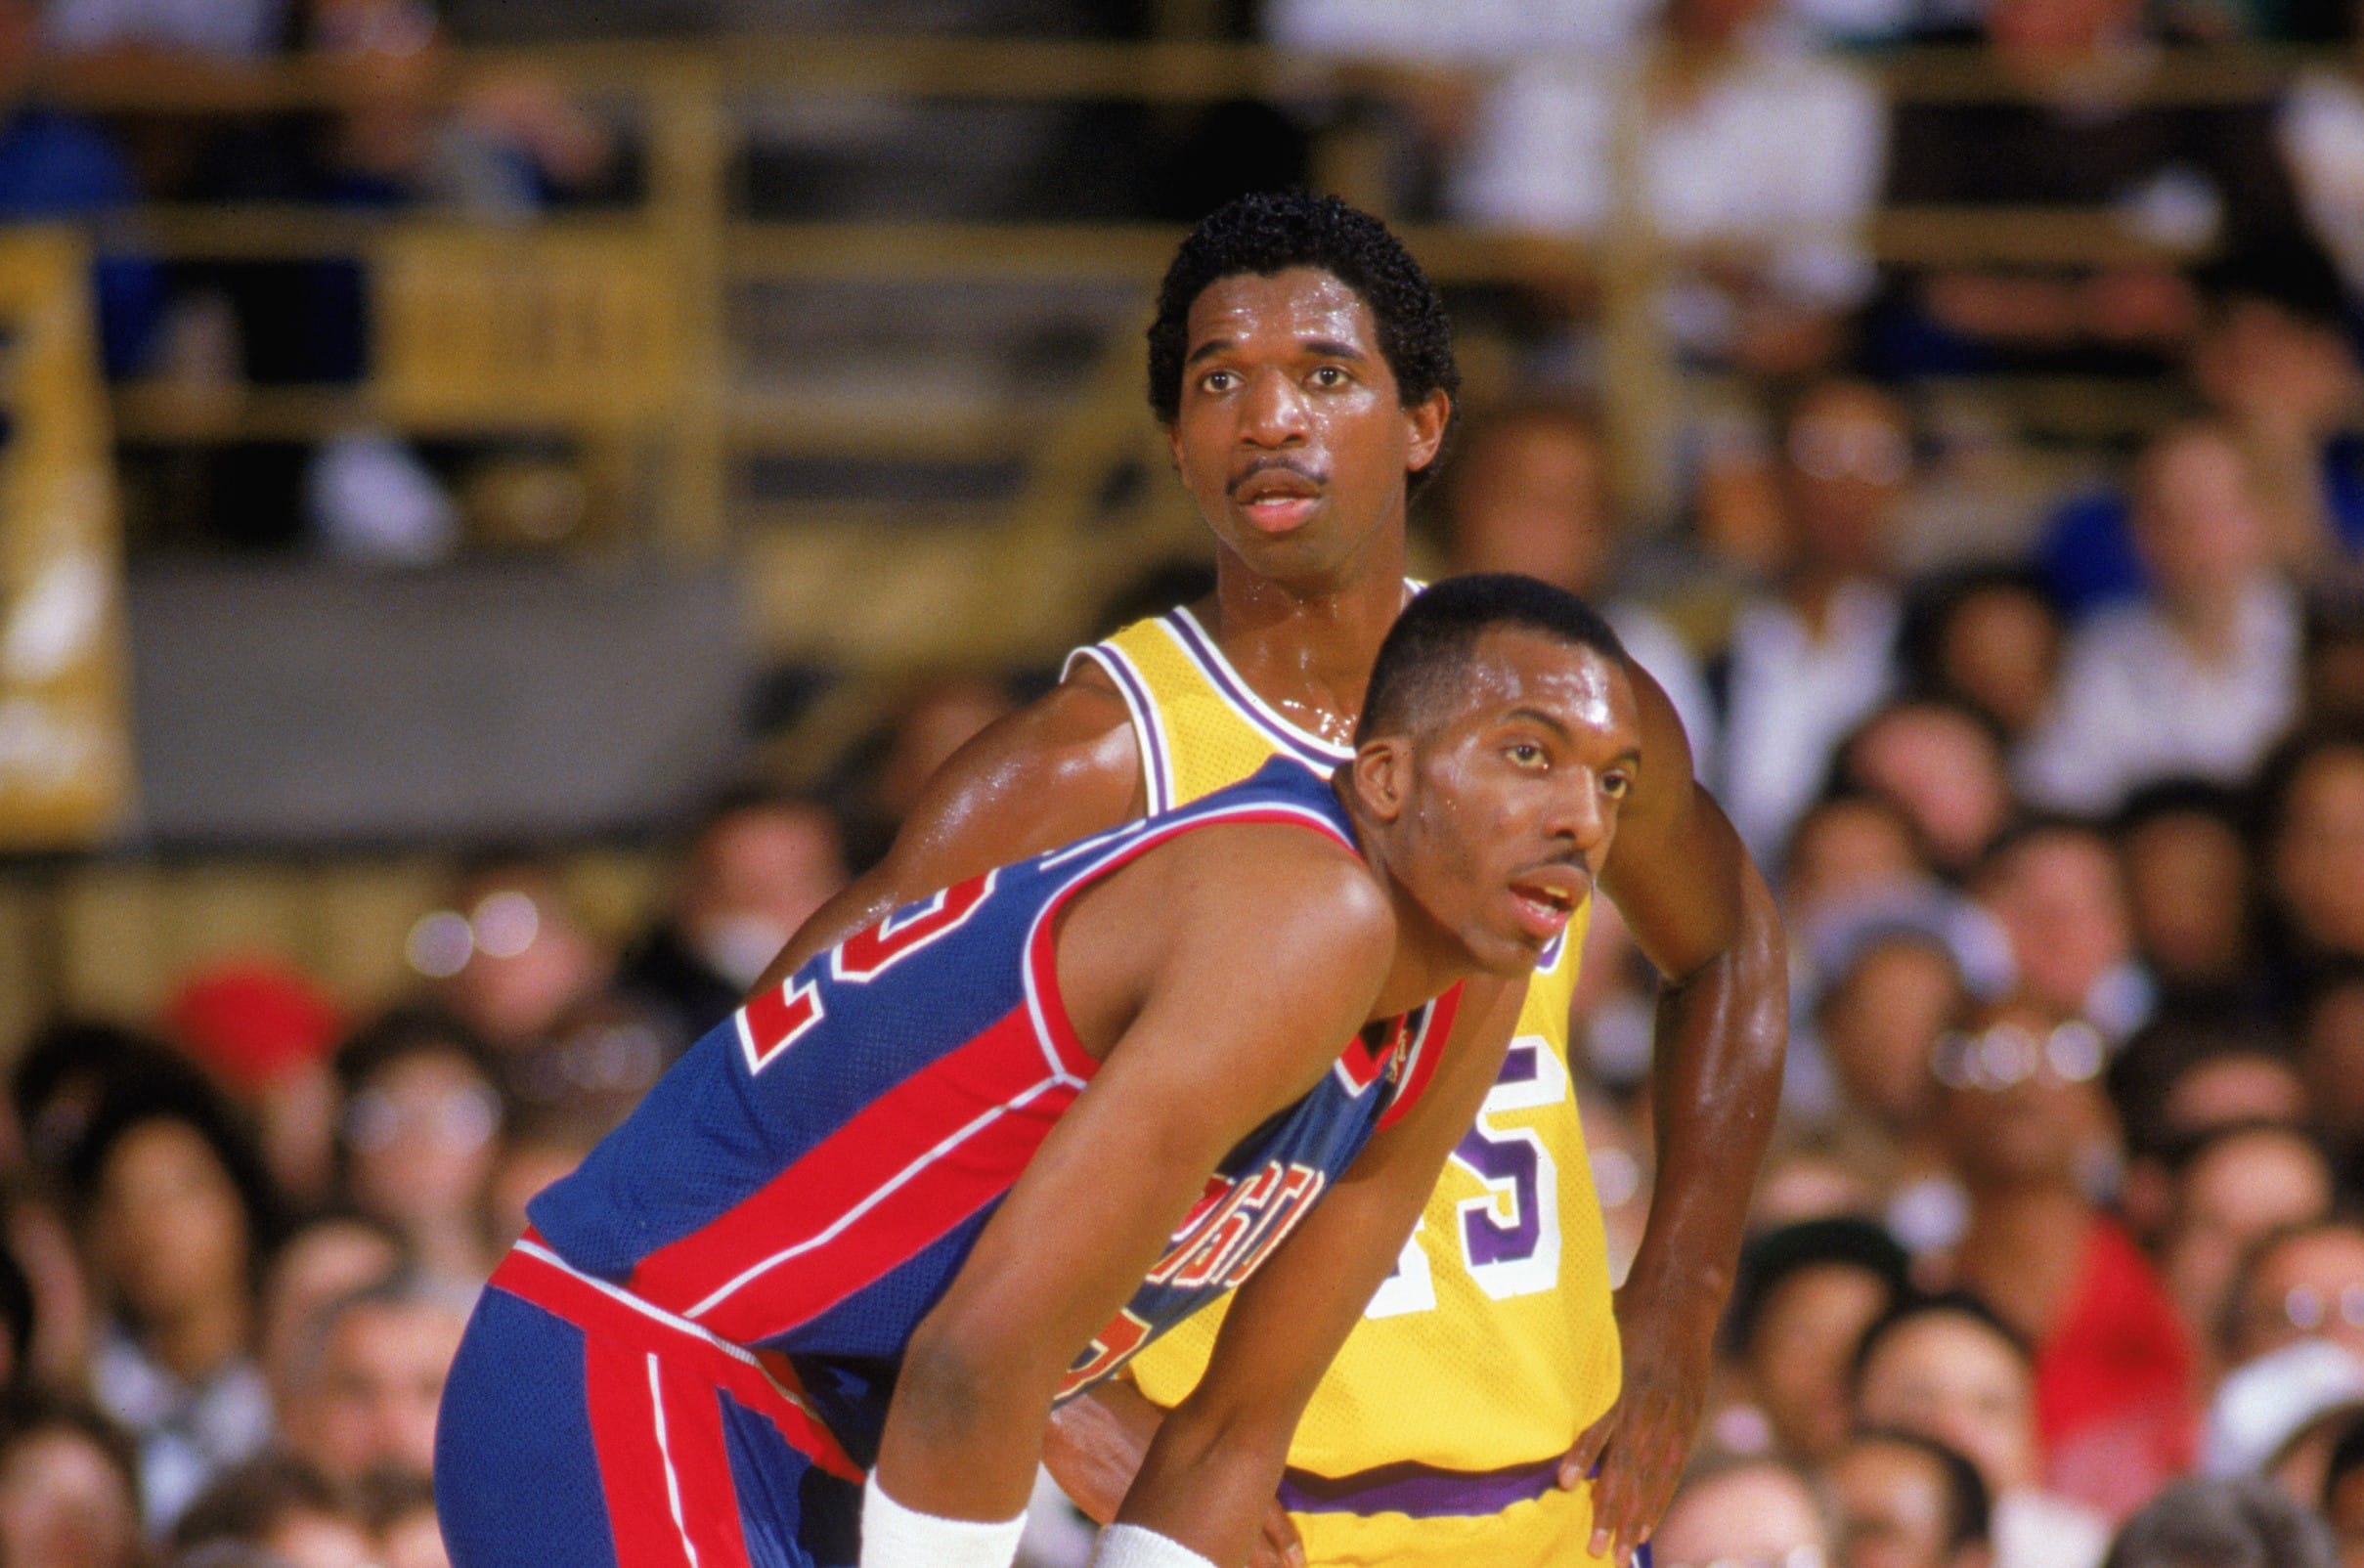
897,1535
1130,1546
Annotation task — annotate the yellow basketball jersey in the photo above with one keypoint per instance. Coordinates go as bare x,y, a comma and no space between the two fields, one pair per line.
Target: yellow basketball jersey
1432,1438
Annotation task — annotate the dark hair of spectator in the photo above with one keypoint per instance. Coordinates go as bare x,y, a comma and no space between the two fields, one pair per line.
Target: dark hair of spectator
1942,1304
29,1410
412,1029
2346,1457
2180,797
1969,1506
202,1110
1936,600
1432,642
2143,1076
2332,616
1773,1258
253,1500
17,1310
2222,1522
1270,232
72,1067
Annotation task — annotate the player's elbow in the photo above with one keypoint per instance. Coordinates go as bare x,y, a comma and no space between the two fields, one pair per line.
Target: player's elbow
961,1384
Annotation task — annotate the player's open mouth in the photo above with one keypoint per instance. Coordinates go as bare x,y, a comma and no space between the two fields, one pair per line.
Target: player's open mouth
1277,500
1545,902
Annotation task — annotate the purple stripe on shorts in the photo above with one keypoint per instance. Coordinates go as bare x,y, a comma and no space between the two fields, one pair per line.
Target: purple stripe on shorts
1419,1490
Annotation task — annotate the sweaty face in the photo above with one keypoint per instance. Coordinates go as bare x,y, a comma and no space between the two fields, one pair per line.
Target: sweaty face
1507,794
1291,435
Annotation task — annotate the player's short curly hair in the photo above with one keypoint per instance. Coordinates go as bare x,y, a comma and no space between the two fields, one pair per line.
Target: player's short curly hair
1270,232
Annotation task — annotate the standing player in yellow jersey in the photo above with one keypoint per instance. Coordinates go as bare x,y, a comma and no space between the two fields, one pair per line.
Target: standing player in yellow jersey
1301,365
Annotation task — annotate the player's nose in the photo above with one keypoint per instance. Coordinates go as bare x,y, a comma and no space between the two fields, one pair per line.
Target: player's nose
1274,412
1579,813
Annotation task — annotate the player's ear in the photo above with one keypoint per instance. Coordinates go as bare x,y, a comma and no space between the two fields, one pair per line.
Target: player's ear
1382,777
1426,420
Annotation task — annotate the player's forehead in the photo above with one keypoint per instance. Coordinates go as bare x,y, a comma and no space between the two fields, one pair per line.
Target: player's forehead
1514,669
1290,308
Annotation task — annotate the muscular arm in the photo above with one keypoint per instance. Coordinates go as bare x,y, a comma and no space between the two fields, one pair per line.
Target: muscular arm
1701,913
1243,999
1059,769
1216,1459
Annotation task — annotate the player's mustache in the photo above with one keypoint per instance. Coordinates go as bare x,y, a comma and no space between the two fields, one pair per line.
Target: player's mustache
1264,466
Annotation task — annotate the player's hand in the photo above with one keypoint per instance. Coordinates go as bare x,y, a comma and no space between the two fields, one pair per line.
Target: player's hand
1277,1543
1636,1452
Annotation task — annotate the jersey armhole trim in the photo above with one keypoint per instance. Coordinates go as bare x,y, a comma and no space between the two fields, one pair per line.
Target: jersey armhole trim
1156,769
1070,1063
1428,1045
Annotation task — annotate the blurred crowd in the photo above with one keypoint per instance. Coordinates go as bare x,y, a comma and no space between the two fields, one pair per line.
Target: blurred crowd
2055,761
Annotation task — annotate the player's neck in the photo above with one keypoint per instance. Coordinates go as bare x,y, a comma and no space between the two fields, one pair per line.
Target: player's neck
1307,650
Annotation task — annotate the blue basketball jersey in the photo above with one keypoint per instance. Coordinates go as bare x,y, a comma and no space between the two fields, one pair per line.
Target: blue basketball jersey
810,1178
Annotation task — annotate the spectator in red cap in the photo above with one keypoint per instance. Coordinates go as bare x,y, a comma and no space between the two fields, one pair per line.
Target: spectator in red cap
265,1031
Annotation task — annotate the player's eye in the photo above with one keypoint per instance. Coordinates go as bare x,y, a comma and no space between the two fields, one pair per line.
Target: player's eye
1616,786
1331,375
1217,381
1526,753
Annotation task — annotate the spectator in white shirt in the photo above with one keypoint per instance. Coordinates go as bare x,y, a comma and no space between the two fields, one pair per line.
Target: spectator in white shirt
1815,655
2202,675
1758,163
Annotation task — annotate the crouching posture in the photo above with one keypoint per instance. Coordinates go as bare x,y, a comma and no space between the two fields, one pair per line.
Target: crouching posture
814,1302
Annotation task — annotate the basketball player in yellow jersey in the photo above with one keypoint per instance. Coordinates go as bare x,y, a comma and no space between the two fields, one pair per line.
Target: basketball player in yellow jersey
1493,1407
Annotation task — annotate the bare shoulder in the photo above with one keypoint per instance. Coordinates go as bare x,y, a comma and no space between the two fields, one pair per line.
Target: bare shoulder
1279,891
1063,767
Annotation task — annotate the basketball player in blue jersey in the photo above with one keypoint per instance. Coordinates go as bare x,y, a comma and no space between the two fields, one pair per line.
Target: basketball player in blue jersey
1493,1407
969,1161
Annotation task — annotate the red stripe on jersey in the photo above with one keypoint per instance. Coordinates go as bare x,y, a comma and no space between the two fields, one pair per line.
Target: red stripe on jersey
632,1466
1426,1050
764,1383
908,1167
1043,969
700,1461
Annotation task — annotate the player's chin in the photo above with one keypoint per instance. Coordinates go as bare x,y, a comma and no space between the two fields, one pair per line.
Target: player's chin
1506,954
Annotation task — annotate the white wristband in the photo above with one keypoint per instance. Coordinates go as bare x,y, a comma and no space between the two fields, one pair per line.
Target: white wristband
896,1536
1128,1545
